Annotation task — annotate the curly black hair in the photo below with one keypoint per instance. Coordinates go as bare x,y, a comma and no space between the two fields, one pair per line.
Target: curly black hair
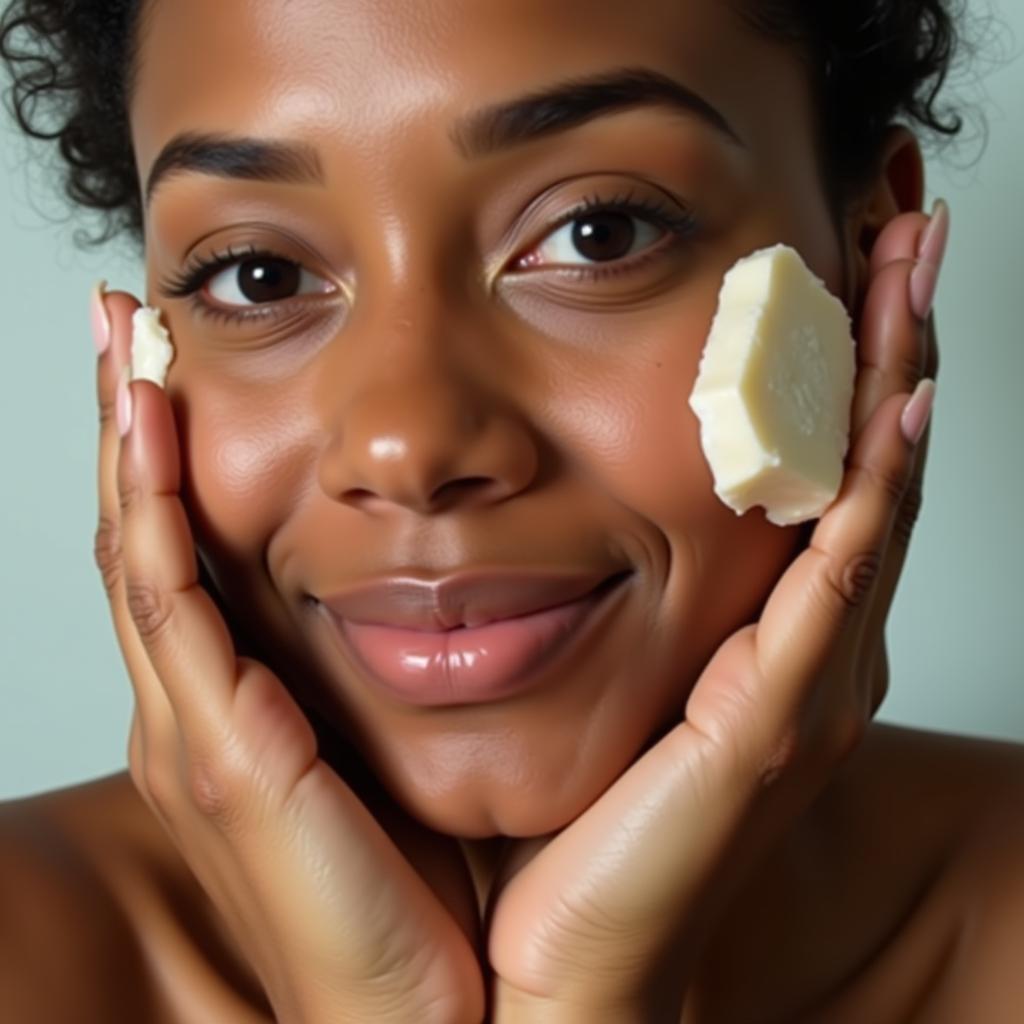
873,63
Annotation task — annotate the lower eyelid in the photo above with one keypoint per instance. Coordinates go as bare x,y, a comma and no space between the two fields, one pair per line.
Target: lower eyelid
257,314
669,242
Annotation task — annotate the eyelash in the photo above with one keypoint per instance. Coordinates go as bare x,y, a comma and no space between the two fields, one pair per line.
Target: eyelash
189,282
679,225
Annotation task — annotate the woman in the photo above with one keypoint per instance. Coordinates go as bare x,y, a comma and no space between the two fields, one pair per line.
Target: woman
439,277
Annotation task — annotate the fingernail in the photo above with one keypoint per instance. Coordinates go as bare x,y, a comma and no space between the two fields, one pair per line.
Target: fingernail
124,401
918,411
100,319
931,251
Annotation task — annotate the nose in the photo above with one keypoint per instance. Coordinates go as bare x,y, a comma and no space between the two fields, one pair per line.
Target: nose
421,430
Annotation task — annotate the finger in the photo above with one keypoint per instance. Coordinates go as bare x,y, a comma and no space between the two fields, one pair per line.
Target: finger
893,342
120,307
183,635
634,870
241,732
891,346
815,614
154,718
907,515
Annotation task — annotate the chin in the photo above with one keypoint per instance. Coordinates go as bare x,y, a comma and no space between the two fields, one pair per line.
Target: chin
533,801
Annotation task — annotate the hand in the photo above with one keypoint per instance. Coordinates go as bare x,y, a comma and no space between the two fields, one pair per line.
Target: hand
605,921
335,922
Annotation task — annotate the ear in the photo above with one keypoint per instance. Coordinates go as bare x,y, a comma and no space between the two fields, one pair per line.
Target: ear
898,187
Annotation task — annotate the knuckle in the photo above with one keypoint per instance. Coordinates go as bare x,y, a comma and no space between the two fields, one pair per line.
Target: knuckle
908,370
907,513
818,750
128,496
149,611
780,758
893,486
106,551
107,412
855,580
847,732
215,793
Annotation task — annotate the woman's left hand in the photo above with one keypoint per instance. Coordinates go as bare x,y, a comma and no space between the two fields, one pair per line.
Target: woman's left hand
586,924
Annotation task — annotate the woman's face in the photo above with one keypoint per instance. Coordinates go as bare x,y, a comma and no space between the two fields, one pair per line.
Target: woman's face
458,378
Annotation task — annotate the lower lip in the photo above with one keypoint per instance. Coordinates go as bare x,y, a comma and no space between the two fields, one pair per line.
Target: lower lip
470,665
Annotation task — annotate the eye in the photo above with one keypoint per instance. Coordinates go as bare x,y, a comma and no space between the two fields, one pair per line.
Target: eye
609,232
263,279
600,237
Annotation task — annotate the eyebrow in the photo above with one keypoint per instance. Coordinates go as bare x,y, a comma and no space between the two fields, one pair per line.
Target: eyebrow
558,108
575,101
229,156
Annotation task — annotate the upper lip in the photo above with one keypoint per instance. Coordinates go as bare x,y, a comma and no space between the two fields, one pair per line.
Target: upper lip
464,599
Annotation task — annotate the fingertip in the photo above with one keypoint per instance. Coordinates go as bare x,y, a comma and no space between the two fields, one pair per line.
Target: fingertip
99,318
121,308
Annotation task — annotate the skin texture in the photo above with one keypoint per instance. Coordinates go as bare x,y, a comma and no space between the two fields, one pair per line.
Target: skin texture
526,419
517,386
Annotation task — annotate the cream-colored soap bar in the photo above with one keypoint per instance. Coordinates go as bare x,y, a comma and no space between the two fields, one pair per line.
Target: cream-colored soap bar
775,388
152,351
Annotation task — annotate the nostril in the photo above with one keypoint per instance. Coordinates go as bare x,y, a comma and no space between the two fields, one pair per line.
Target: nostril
455,490
359,495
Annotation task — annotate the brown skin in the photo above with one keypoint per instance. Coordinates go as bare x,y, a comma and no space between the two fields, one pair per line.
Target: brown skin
432,338
529,392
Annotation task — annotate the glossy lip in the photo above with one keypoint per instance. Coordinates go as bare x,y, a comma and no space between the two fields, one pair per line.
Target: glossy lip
459,667
466,599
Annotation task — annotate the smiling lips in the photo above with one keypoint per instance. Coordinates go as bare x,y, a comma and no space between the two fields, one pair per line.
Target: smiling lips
470,638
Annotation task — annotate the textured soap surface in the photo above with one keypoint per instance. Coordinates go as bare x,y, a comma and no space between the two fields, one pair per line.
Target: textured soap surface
152,351
775,388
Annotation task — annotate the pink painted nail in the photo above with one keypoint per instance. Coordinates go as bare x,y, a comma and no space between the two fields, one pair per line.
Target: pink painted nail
100,319
918,411
924,278
124,401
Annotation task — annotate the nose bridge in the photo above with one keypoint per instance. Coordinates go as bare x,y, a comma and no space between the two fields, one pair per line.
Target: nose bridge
415,414
405,341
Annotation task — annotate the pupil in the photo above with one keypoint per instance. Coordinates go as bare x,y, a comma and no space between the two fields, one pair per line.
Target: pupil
604,236
266,280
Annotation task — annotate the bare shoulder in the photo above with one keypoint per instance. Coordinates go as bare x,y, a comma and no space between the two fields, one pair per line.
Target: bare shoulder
956,804
983,966
93,893
899,897
68,951
958,766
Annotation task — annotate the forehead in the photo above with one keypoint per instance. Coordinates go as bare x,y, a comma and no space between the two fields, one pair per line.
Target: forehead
369,74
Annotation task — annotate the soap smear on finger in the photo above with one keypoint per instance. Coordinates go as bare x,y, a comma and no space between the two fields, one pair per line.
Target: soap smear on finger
152,351
775,388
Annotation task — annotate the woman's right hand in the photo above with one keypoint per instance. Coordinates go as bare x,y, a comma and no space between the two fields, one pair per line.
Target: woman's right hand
337,923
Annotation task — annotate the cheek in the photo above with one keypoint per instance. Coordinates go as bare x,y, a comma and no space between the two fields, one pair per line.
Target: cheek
643,437
246,462
718,568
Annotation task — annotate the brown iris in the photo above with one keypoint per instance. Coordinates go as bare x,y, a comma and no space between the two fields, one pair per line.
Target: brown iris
604,236
268,280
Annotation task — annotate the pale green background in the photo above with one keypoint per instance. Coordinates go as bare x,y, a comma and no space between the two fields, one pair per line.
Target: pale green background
957,632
